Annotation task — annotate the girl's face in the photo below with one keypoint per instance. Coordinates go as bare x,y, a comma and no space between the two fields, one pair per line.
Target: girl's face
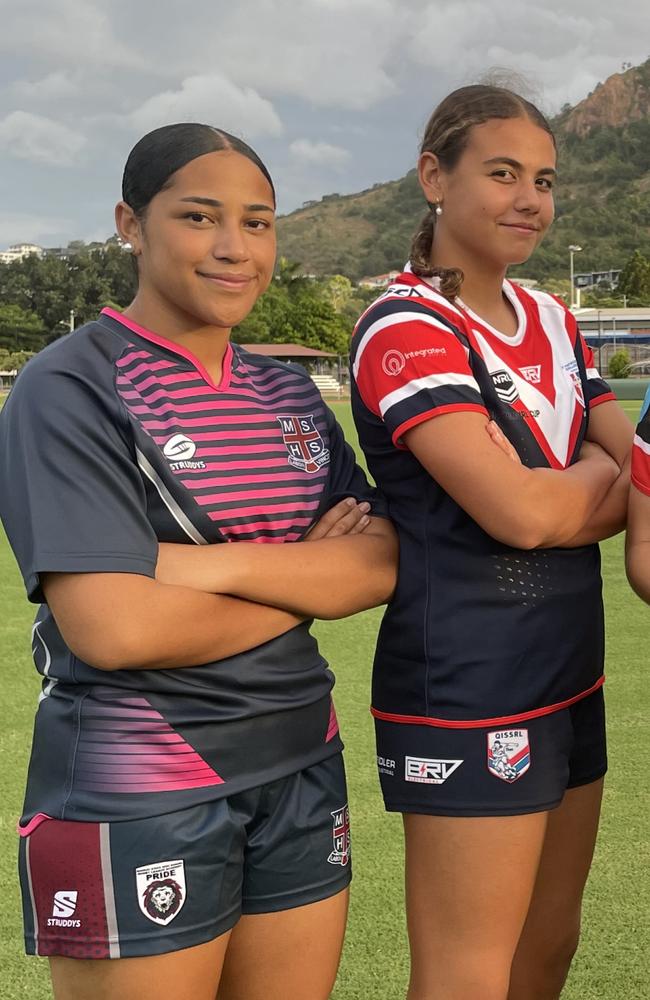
497,202
206,246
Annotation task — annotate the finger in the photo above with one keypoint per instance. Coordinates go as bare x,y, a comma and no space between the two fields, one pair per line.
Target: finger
348,524
331,517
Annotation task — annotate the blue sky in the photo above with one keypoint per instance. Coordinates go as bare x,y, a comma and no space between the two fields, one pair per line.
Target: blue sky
333,94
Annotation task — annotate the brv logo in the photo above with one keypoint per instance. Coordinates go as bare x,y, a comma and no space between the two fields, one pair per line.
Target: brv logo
179,448
429,772
65,903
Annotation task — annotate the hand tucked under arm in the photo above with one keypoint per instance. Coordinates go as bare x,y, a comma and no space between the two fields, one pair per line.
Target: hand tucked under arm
329,576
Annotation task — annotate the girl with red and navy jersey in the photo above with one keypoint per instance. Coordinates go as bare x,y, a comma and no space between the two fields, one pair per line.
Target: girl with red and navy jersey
637,552
504,459
186,804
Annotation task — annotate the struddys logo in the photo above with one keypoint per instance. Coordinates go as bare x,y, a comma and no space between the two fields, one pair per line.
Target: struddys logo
64,907
161,890
508,753
304,443
340,836
180,450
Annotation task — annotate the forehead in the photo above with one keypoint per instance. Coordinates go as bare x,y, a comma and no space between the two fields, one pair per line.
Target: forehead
221,175
513,138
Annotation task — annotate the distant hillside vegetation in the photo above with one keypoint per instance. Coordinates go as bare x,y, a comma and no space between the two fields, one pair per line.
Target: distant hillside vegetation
602,198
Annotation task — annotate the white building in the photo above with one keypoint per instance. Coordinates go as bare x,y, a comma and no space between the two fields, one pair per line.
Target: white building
19,251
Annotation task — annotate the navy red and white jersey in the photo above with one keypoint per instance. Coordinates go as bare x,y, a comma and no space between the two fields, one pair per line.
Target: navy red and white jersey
112,440
641,449
476,630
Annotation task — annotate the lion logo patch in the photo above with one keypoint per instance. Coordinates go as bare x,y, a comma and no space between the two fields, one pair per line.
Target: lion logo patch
161,890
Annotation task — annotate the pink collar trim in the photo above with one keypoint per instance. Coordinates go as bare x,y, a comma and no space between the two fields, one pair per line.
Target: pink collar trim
175,348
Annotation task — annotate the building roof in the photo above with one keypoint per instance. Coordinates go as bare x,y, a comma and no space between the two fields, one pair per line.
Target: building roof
286,351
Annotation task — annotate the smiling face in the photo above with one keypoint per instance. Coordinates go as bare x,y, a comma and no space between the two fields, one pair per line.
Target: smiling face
497,201
206,244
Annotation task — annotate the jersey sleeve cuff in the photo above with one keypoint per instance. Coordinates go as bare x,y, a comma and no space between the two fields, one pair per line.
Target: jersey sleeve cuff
435,411
641,487
114,562
604,398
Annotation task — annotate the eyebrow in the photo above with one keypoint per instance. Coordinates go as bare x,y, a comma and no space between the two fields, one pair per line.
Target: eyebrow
517,165
213,203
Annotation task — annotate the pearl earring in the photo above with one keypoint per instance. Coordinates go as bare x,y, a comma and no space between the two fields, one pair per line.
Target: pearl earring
438,209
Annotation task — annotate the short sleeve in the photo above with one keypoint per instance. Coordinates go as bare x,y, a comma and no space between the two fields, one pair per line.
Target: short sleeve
410,364
346,478
598,390
72,499
641,450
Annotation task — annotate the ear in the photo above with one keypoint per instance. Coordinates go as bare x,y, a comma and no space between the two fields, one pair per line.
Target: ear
429,176
128,227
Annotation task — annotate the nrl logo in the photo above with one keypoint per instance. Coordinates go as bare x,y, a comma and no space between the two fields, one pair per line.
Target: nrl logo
161,890
505,387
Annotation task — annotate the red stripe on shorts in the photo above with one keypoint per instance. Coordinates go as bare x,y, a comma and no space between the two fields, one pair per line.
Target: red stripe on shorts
67,883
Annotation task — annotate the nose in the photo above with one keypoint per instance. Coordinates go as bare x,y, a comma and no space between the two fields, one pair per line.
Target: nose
230,242
528,197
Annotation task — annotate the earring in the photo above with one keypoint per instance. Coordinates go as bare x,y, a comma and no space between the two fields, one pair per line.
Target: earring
438,208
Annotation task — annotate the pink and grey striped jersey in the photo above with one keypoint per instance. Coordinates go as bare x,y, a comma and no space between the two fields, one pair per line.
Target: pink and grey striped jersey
114,439
477,633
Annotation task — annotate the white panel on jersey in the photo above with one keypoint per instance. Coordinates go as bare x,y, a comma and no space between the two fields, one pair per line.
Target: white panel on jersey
427,382
554,421
641,444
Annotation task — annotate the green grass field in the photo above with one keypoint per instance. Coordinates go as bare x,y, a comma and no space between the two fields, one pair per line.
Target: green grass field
613,960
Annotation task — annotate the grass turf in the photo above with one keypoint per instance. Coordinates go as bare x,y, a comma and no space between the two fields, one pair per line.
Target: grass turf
612,963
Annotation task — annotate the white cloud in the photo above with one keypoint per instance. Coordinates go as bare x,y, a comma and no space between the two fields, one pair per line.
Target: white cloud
52,87
213,99
23,227
321,154
42,140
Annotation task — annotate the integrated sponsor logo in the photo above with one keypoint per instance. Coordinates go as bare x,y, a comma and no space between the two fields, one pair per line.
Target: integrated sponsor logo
340,836
532,373
161,890
429,772
64,906
508,753
180,450
386,765
504,385
393,362
304,443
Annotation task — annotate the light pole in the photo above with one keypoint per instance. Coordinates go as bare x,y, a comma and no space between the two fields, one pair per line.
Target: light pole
572,249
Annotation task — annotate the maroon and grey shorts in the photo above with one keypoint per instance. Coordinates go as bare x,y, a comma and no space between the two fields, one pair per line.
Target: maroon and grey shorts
149,886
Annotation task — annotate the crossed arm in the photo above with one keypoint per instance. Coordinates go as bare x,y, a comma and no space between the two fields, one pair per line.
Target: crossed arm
637,544
203,606
528,508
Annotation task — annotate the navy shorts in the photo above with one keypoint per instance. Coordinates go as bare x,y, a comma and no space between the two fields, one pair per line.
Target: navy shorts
149,886
489,771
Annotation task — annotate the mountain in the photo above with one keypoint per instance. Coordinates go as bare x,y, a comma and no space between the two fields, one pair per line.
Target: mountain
602,198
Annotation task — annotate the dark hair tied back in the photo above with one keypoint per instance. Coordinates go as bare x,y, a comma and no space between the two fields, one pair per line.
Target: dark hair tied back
159,154
446,135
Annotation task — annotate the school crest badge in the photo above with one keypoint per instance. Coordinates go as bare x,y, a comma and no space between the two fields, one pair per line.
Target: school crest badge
161,890
340,836
304,443
508,753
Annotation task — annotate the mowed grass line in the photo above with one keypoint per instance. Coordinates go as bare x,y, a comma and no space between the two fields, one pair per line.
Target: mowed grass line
613,960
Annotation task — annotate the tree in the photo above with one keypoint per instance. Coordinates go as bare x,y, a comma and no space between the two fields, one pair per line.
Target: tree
619,364
634,281
20,330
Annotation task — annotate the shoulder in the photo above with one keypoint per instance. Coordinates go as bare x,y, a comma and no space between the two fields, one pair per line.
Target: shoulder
408,301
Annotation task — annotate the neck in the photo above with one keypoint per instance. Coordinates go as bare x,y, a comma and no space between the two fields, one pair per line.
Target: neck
482,281
207,343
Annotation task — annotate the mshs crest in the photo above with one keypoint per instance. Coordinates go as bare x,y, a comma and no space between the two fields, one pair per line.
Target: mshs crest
340,836
161,890
306,447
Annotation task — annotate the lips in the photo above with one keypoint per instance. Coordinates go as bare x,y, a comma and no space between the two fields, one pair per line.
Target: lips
520,227
234,281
